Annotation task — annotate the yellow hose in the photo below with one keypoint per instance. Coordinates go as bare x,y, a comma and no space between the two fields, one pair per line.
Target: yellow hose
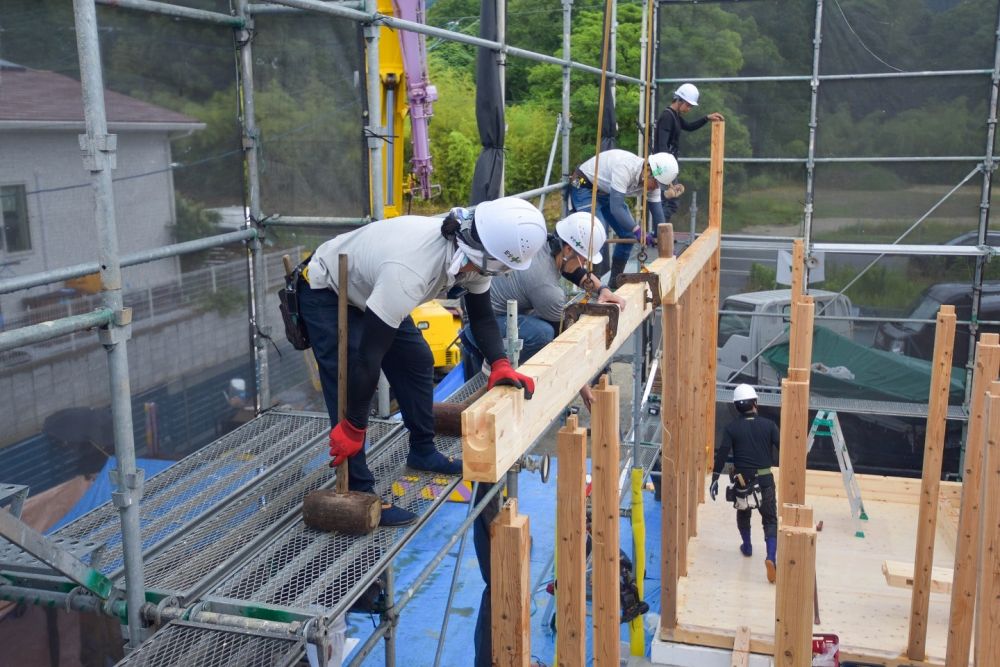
636,631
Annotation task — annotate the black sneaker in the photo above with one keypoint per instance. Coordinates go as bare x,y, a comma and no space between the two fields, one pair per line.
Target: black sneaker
394,515
434,461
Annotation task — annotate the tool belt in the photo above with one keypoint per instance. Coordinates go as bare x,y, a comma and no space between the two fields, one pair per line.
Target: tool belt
742,493
288,303
578,180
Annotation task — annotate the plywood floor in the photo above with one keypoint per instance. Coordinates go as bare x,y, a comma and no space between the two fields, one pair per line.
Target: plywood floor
724,590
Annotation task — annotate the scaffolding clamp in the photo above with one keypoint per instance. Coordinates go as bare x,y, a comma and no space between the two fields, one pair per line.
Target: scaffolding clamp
99,151
609,310
650,278
128,487
119,329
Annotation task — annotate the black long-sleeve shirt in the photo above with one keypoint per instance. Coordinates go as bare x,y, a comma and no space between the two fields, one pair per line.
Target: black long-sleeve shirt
750,438
668,131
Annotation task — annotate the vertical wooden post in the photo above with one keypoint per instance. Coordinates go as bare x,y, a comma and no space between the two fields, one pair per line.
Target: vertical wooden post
712,343
509,575
605,582
937,411
681,437
800,340
963,588
715,168
670,417
793,601
794,432
696,397
665,239
571,545
798,269
988,616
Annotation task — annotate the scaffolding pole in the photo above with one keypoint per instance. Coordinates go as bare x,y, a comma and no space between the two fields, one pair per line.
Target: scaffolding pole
176,11
567,10
828,77
807,216
99,159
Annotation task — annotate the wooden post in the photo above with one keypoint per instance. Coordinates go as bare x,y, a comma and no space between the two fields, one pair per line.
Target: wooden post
715,169
681,436
793,602
670,418
798,269
510,557
695,395
988,616
571,545
665,239
937,411
800,341
605,582
712,344
794,432
741,647
963,590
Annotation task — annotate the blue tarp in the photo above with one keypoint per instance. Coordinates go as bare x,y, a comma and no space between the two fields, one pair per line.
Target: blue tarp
100,491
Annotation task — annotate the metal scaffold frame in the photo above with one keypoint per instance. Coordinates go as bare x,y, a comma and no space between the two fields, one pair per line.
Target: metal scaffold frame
113,319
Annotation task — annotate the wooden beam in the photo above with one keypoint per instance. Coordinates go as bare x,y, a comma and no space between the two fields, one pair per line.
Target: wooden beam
606,580
798,269
900,490
712,345
741,647
715,170
500,427
571,545
988,614
665,239
801,338
963,592
794,432
937,410
693,261
695,398
793,603
670,429
510,556
683,443
900,575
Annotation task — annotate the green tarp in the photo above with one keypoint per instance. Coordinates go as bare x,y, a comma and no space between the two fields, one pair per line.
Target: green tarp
878,375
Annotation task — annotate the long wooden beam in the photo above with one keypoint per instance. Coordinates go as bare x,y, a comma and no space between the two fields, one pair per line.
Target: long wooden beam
606,580
510,556
963,591
988,615
500,427
794,431
944,345
716,167
801,338
571,545
693,261
798,269
670,417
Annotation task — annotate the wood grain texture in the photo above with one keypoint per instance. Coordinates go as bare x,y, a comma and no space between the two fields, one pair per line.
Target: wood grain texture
794,431
793,606
605,582
670,423
988,613
923,560
571,545
510,557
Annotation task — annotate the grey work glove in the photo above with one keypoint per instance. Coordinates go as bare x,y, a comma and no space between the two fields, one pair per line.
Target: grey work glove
713,488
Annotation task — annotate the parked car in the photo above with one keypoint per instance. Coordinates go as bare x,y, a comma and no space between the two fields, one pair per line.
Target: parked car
915,339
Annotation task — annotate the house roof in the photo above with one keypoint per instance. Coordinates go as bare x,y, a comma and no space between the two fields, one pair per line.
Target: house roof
39,98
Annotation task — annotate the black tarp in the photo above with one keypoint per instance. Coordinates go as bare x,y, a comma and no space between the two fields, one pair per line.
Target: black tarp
488,176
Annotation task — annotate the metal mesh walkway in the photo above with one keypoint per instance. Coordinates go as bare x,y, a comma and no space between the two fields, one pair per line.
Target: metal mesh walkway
197,645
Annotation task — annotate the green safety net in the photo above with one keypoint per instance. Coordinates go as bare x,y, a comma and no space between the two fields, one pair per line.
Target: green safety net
877,375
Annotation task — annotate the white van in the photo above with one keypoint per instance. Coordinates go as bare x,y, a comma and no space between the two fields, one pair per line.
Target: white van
752,321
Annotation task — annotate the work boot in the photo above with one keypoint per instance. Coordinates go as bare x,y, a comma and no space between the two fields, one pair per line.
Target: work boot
746,548
769,564
617,268
431,460
394,515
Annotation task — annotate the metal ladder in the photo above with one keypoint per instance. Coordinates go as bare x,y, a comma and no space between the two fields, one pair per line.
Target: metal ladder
827,424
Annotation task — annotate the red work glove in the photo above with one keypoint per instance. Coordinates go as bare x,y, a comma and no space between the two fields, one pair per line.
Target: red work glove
346,440
502,373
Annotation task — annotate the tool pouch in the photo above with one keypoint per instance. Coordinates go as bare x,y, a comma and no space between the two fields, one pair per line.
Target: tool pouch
288,303
744,497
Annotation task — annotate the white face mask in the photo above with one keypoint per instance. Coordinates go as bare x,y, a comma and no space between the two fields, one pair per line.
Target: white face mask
485,264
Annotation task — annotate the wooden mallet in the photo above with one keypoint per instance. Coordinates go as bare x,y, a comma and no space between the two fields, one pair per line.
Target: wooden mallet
340,510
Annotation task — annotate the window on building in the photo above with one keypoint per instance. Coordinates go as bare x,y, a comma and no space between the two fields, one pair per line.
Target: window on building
16,236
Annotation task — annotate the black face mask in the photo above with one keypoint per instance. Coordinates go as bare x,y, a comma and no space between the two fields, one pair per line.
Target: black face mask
576,277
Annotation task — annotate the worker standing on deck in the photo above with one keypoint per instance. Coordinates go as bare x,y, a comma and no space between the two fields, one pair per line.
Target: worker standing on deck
750,438
394,266
622,174
540,298
668,133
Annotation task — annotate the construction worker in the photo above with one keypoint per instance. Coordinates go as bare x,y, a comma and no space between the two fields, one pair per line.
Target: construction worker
622,174
540,302
540,299
668,133
750,438
395,265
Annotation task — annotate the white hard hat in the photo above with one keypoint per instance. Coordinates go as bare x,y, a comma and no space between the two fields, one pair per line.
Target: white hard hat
744,392
663,167
687,92
575,230
238,384
511,230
